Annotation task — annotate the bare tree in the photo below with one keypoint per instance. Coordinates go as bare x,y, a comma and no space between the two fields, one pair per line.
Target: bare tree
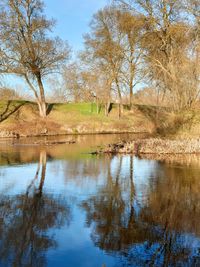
95,87
131,26
192,7
26,47
103,43
57,90
8,94
71,75
168,47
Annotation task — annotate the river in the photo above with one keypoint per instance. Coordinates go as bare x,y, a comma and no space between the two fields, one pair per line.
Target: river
62,206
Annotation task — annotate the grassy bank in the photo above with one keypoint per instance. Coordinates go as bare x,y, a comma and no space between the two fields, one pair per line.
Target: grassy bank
20,118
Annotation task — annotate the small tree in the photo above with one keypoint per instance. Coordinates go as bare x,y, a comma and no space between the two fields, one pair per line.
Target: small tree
26,49
7,93
72,82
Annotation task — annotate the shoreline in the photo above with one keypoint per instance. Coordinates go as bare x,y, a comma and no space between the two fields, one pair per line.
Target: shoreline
15,135
154,147
143,146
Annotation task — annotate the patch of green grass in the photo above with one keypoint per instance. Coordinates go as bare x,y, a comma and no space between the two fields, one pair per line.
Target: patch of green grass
82,108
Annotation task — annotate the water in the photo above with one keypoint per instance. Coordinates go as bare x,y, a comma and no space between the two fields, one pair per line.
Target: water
60,206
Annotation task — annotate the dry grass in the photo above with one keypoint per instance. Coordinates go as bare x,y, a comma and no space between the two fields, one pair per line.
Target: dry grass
155,146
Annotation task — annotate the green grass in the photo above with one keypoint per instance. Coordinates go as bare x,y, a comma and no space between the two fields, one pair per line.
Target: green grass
86,109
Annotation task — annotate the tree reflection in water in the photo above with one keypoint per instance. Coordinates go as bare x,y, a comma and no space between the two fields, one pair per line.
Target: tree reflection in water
25,220
157,232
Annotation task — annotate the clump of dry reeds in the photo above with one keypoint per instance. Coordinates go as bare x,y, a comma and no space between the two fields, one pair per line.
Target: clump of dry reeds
155,146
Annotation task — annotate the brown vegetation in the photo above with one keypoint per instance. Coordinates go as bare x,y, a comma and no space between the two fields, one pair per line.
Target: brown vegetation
155,146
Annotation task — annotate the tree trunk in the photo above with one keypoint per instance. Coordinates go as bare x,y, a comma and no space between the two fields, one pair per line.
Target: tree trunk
119,99
131,93
119,110
132,75
107,108
42,109
43,162
97,105
42,101
131,99
108,98
132,66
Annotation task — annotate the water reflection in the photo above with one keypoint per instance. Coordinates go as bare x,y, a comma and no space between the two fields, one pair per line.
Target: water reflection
157,232
25,220
117,210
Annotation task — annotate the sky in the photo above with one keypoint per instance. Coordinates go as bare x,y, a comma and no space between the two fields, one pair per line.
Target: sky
72,18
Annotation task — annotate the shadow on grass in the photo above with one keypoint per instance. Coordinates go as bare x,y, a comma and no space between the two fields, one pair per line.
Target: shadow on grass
179,122
49,108
153,113
163,121
10,108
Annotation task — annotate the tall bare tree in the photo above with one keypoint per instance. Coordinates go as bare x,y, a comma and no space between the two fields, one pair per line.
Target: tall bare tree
104,44
26,47
131,26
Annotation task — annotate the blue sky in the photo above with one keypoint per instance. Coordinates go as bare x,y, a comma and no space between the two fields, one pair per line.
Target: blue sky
72,18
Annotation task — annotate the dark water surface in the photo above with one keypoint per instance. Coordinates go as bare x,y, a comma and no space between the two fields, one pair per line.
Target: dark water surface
60,206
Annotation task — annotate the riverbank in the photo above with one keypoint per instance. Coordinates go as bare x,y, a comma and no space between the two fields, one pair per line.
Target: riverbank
21,119
154,146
